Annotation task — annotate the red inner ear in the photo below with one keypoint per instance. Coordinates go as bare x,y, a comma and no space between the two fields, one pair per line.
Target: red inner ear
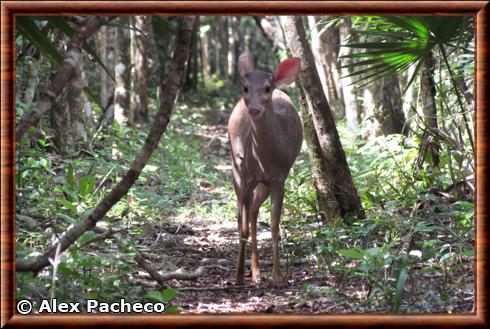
287,67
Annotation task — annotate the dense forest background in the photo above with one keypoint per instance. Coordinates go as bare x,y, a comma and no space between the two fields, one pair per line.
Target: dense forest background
123,171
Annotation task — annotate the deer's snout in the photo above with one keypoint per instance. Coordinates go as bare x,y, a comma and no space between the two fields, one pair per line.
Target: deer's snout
254,111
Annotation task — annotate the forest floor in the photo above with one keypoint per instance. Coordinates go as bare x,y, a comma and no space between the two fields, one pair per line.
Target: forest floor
215,291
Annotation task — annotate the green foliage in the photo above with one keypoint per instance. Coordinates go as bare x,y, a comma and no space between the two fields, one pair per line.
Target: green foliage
392,44
165,297
409,232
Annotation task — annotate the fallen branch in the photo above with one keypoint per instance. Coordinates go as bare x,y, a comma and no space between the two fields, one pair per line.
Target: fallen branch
186,27
212,288
163,278
64,73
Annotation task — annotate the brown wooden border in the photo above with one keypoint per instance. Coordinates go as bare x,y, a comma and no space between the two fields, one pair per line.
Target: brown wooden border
10,8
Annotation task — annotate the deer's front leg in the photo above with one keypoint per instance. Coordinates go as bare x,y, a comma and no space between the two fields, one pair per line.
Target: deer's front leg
244,199
277,193
261,193
243,236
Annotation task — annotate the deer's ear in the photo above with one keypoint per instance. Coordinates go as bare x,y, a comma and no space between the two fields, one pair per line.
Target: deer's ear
245,64
287,71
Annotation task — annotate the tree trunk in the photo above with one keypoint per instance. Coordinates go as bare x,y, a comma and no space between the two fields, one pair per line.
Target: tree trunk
336,173
122,74
326,51
191,76
87,105
231,48
110,64
162,118
162,37
428,95
388,105
101,42
225,46
409,100
76,110
59,121
350,97
373,127
328,206
32,81
216,48
139,88
206,65
236,47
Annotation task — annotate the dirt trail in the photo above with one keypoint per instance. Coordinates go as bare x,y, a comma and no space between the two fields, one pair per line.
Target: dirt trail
214,291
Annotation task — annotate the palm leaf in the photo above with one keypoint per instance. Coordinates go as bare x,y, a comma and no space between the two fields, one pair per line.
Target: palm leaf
372,54
386,70
411,24
389,34
29,29
399,43
409,44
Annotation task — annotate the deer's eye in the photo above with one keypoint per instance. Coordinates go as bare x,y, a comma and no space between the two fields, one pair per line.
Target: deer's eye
267,89
245,89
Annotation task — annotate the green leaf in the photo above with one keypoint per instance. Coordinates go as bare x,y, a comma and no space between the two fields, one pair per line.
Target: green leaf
412,24
395,48
374,53
70,178
393,34
67,204
45,163
352,253
400,284
86,237
173,309
443,28
409,44
86,185
29,29
66,217
154,296
168,294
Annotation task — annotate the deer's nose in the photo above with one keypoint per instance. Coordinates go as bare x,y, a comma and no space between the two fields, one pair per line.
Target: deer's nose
254,111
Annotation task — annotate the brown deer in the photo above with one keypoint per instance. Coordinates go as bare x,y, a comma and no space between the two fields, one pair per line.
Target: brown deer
265,135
